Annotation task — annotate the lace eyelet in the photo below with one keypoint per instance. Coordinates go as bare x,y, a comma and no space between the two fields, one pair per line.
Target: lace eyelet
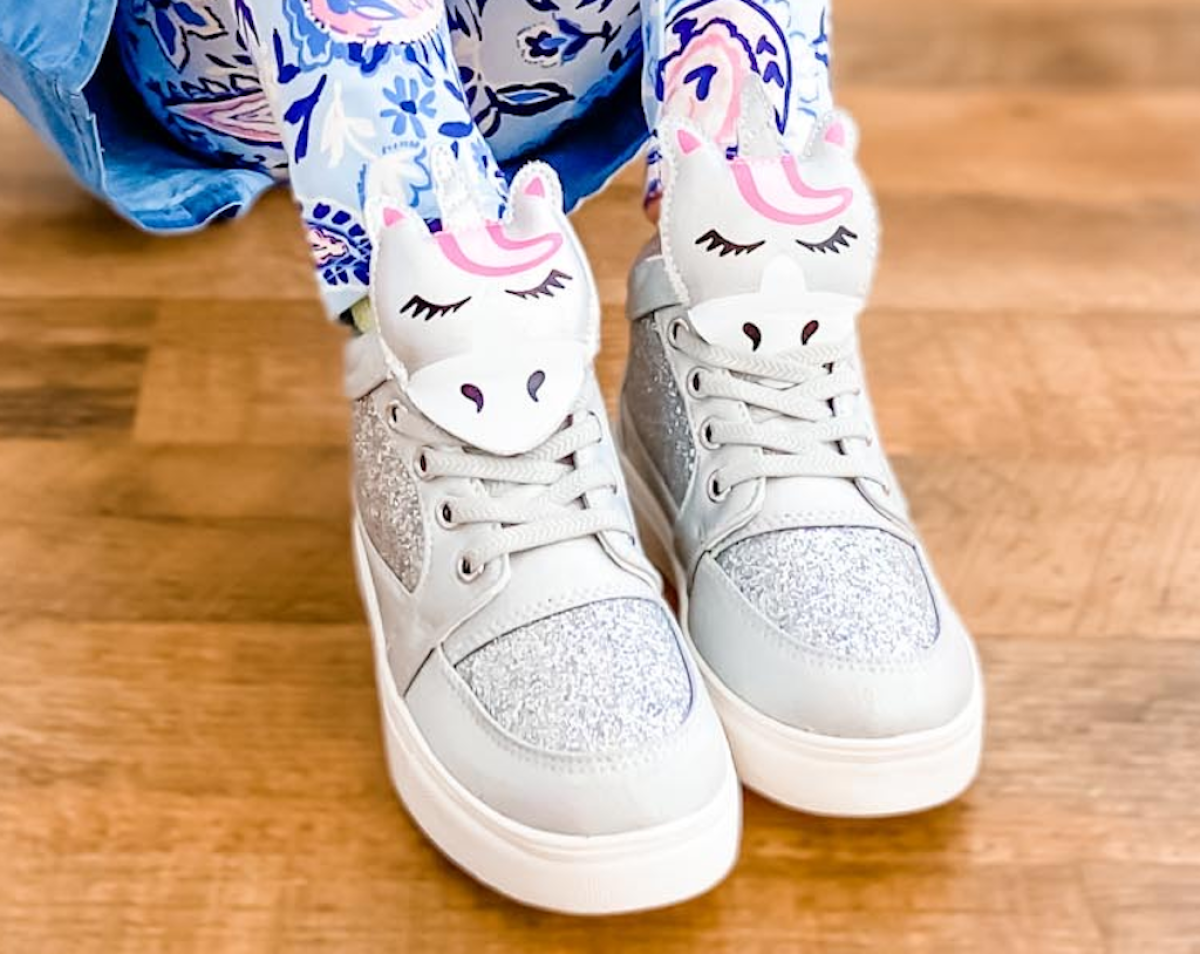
694,383
706,440
445,516
421,464
394,411
468,568
716,492
673,330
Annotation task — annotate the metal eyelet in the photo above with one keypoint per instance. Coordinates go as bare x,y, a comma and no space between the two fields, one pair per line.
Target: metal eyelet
694,383
706,439
445,516
716,492
421,463
673,330
468,568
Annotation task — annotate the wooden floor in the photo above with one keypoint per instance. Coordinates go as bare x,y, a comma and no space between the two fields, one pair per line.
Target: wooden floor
189,751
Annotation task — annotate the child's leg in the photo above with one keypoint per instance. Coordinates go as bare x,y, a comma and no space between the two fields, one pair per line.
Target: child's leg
195,74
701,53
361,89
529,67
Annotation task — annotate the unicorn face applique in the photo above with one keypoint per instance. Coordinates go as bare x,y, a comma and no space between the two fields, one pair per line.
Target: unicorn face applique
493,322
770,249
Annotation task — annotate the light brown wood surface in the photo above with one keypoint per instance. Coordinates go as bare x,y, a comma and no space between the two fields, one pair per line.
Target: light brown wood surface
189,749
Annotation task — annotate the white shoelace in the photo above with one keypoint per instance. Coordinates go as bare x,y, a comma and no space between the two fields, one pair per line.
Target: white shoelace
790,399
520,520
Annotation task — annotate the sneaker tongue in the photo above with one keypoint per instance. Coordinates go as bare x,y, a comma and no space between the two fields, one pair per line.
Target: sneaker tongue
489,326
770,249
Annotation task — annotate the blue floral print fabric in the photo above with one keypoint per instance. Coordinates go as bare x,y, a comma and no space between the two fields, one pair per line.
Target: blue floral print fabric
197,76
702,53
330,92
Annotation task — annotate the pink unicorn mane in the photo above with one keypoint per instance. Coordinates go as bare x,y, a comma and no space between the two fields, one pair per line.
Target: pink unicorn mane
492,252
776,191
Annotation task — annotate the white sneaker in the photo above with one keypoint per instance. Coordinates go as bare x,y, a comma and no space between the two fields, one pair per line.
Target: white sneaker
543,724
845,680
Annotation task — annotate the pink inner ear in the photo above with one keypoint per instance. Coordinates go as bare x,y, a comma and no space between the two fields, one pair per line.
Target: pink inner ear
687,142
392,216
537,187
836,134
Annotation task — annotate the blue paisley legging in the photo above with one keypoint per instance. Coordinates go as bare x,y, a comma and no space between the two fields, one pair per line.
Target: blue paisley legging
323,92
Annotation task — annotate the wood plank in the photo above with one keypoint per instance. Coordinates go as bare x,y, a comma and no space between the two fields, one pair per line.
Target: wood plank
1009,43
1031,144
258,373
70,368
116,568
87,479
1064,546
1096,383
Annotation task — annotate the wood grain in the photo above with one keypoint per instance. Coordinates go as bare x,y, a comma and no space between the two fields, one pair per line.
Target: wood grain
189,745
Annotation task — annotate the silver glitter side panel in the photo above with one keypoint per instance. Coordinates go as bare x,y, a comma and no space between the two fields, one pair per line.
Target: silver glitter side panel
387,494
603,677
853,592
659,416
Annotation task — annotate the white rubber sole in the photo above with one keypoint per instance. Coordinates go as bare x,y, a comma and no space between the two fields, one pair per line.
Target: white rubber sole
820,774
572,874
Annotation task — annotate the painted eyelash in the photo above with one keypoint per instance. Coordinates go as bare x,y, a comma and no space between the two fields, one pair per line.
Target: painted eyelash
420,308
835,243
716,241
546,289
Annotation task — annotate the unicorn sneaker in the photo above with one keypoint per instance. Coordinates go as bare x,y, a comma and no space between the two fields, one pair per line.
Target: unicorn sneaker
543,724
846,682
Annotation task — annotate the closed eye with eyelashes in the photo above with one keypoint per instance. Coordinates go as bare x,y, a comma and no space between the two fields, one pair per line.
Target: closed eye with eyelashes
420,307
835,243
551,283
714,241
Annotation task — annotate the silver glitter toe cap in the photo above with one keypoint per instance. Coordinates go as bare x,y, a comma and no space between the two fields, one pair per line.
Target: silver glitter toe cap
603,677
852,592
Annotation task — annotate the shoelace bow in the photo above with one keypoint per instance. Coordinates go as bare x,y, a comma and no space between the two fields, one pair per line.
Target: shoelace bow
793,426
521,521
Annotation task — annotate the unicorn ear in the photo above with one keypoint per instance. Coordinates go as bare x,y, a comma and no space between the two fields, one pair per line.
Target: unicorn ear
758,134
686,141
837,131
382,212
384,206
679,139
536,184
535,197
